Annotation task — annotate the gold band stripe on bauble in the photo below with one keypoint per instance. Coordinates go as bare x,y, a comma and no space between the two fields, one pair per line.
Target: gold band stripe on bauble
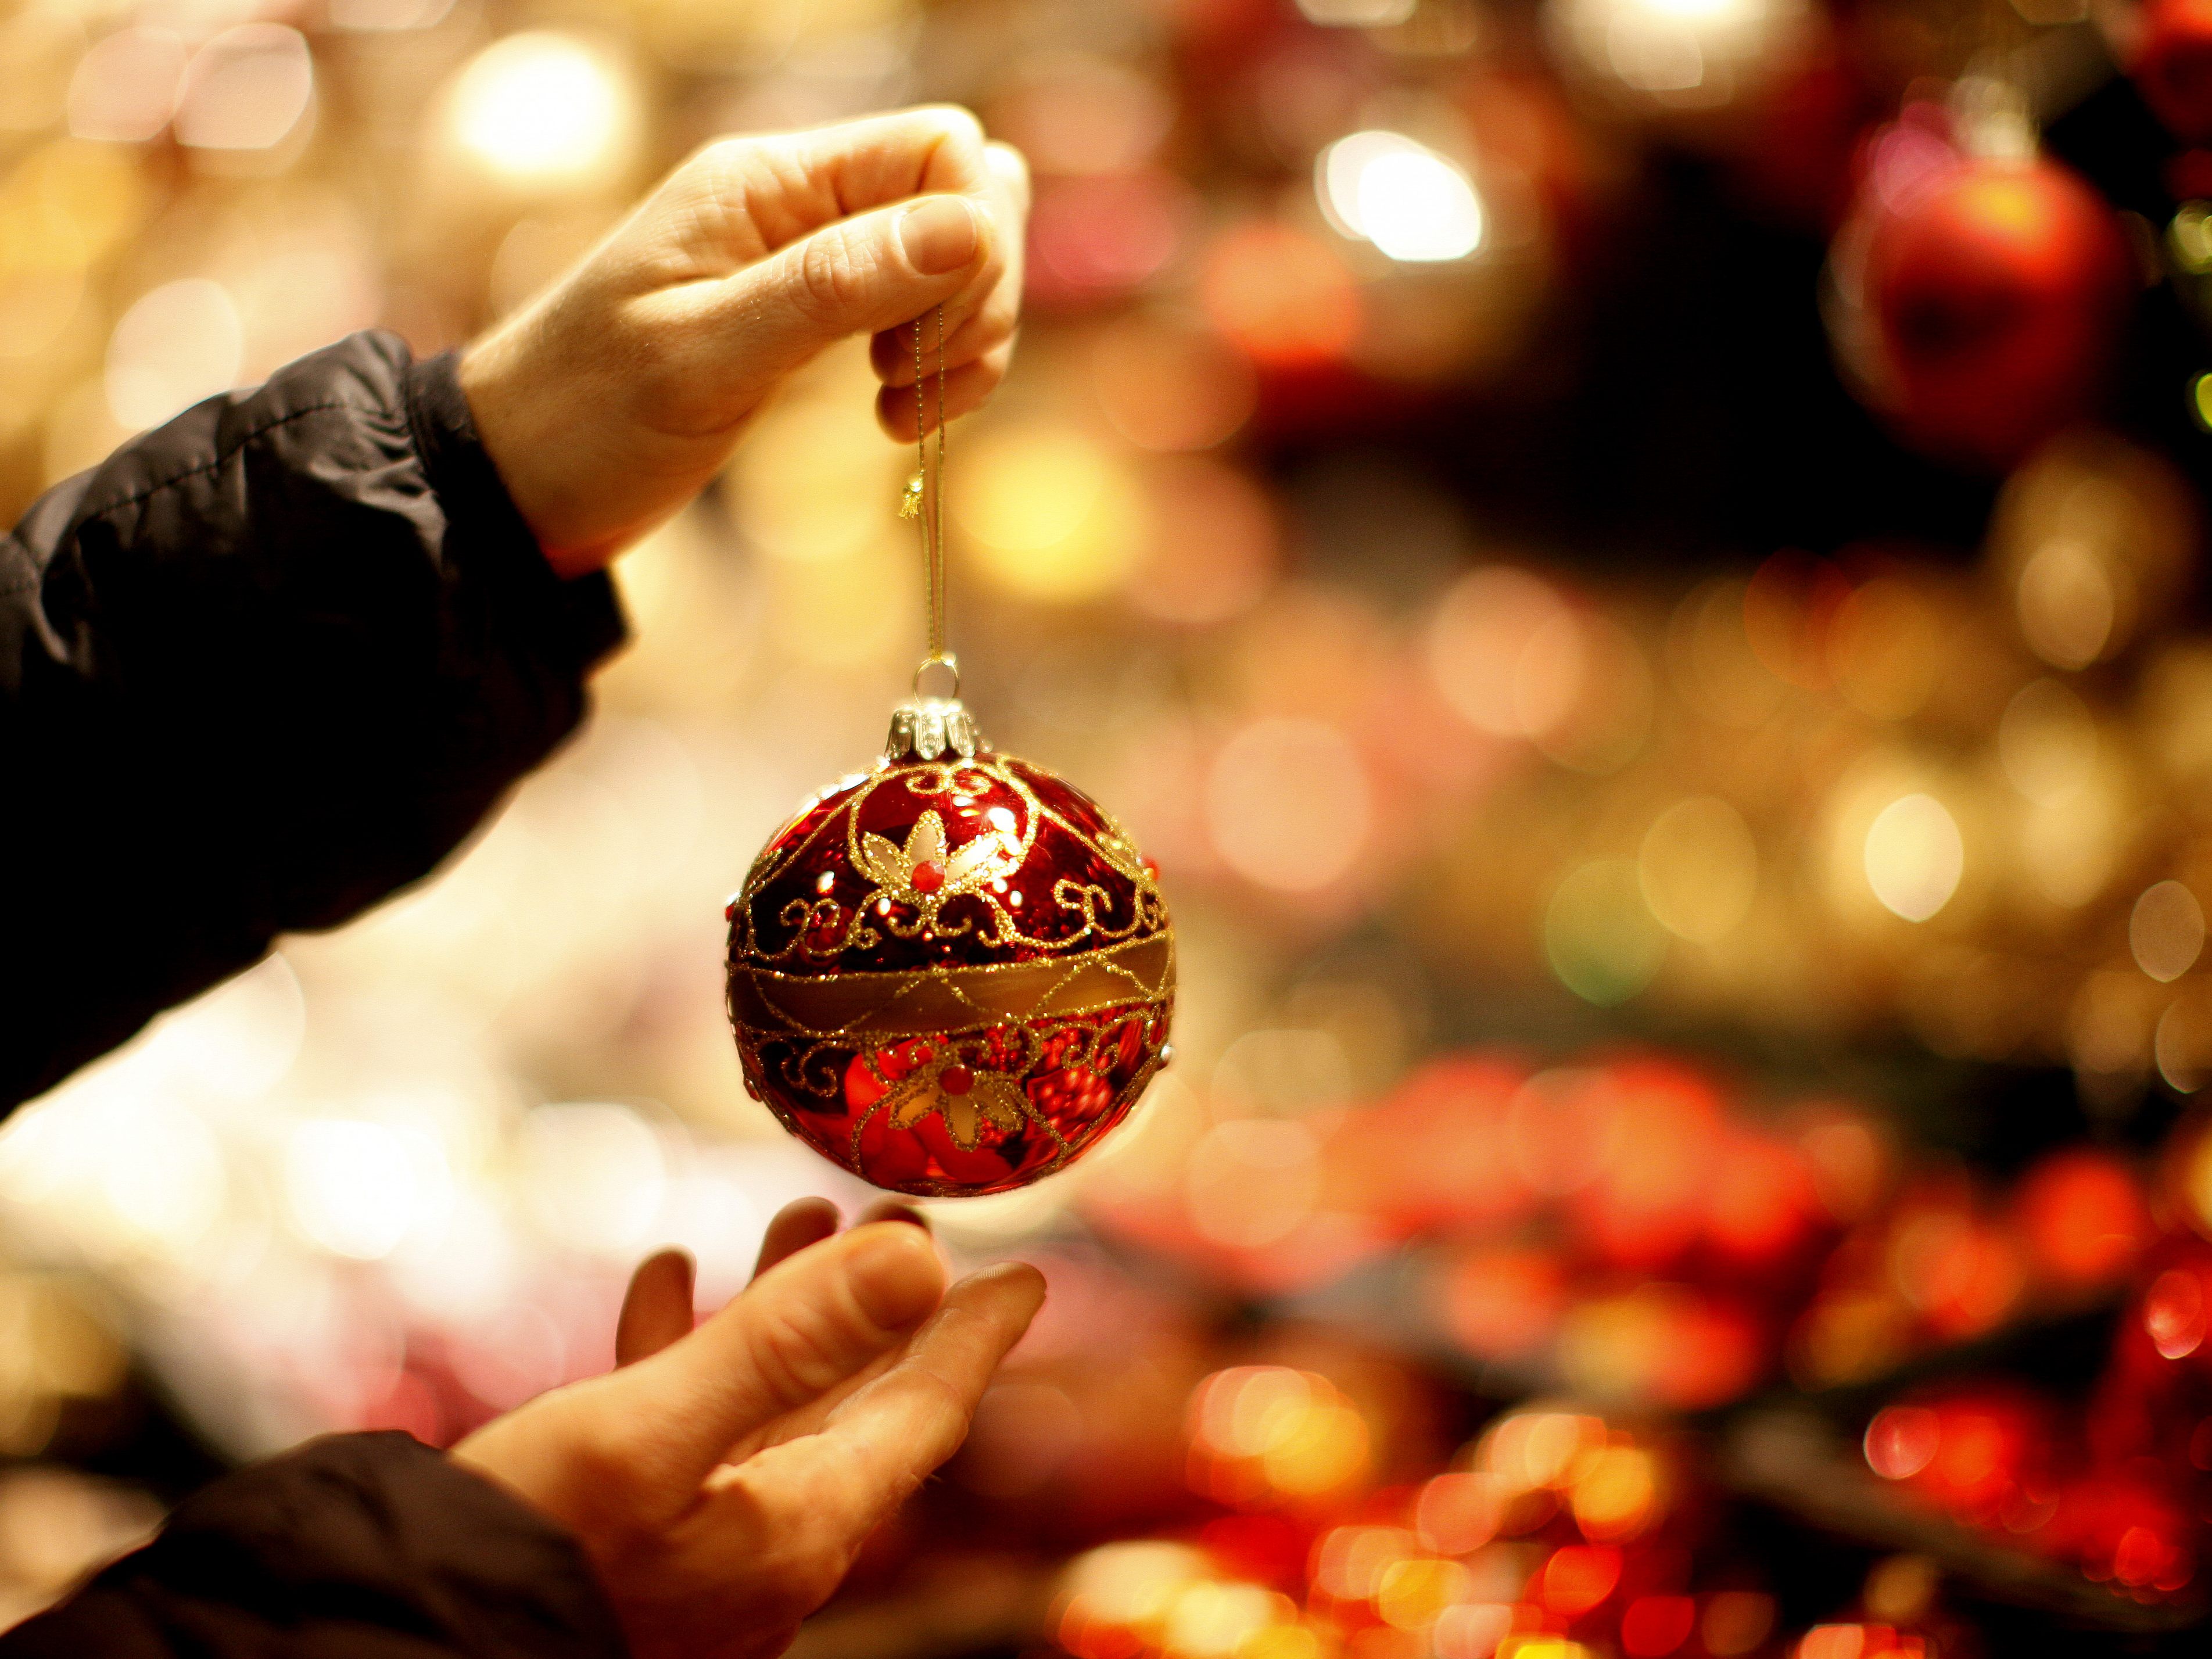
928,1001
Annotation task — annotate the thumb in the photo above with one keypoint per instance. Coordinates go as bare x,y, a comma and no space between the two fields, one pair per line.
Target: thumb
858,275
801,1329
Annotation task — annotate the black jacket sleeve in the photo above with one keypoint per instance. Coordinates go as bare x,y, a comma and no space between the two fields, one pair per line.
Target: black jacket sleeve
355,1546
267,663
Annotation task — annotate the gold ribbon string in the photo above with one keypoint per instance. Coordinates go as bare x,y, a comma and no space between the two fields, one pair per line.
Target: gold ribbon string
925,491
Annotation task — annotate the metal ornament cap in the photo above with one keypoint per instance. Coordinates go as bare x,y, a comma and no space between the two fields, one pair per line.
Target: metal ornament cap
925,728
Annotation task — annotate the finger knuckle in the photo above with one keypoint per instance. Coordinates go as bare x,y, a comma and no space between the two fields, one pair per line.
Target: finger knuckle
831,281
790,1358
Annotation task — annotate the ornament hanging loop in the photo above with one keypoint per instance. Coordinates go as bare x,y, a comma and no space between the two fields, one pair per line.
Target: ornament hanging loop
947,667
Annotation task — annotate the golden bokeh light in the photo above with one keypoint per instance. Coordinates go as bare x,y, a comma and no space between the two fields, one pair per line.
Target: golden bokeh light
1054,514
2047,741
1885,649
543,110
1289,805
182,341
1698,868
2165,931
124,89
1169,385
1265,1435
1914,856
249,88
1477,637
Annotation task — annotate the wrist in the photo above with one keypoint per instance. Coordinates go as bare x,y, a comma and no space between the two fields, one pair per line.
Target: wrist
490,375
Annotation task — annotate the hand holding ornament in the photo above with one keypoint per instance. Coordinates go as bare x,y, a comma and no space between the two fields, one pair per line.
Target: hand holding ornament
608,401
722,1479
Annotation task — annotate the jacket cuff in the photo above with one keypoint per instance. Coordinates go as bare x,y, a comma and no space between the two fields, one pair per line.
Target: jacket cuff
581,617
348,1535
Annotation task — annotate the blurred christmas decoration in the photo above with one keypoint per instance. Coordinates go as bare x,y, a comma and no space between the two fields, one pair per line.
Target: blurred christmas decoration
2168,50
1692,1000
1979,287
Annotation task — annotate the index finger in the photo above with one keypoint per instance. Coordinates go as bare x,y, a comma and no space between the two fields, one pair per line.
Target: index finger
782,186
884,1439
801,1329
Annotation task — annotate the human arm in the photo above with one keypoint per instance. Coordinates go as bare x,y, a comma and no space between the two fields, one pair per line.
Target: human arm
696,1503
264,665
275,659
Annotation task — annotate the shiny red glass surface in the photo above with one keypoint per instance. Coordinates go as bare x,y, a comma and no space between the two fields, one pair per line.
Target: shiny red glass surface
967,1108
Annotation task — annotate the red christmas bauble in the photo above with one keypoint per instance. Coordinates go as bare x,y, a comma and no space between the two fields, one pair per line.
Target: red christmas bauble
2171,66
1997,288
950,974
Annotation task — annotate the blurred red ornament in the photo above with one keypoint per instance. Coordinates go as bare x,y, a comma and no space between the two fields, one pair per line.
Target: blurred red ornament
2083,1216
1983,295
953,973
2171,66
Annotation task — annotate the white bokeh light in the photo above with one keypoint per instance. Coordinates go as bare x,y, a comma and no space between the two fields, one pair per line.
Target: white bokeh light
248,88
359,1188
180,342
1678,51
1415,205
544,109
1915,856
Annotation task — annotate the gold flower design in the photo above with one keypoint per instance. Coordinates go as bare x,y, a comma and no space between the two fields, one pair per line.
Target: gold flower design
967,1098
924,870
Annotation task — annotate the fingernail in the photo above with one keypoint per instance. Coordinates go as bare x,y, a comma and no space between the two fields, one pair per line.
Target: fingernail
940,235
894,1272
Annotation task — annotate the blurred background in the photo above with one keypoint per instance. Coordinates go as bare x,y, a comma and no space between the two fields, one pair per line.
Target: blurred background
1638,564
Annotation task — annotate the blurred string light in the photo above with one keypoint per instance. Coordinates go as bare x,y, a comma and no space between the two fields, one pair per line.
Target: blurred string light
175,345
1289,805
249,88
1686,53
545,111
386,16
1359,14
1170,385
596,1174
1252,1181
124,89
2047,742
1914,856
2165,931
1215,547
1263,1435
1698,869
1414,204
359,1188
1512,655
40,47
1282,295
1054,514
2093,536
